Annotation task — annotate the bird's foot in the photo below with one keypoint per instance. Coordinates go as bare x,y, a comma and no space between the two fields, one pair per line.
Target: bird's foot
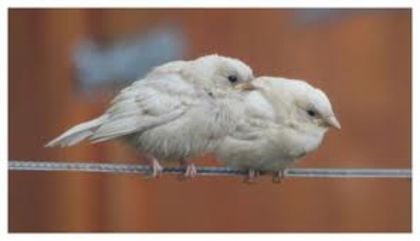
279,176
156,168
252,175
190,171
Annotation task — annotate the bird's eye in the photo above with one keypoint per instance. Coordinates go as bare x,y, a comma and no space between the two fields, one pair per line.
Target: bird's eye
232,78
311,112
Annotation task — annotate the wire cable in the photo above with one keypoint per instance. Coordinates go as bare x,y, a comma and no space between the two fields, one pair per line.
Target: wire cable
207,171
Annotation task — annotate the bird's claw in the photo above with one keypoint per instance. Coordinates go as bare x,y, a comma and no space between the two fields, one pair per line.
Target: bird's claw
279,176
252,175
190,172
156,169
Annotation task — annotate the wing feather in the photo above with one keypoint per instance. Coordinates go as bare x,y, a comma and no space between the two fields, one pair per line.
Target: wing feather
145,105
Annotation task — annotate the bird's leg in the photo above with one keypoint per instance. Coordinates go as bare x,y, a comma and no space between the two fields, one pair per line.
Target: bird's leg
279,175
252,174
155,165
190,170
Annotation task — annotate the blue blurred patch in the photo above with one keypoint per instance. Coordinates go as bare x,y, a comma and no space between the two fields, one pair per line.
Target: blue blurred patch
126,60
318,16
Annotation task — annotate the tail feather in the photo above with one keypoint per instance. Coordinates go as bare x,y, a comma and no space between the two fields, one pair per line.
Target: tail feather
77,133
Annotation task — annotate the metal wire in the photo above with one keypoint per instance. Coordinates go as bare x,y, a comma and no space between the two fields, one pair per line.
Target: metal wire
207,171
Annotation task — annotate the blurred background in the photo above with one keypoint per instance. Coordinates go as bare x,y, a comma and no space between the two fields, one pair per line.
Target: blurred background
65,66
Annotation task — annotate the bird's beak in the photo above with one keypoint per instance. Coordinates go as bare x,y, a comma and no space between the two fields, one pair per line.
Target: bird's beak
333,122
246,86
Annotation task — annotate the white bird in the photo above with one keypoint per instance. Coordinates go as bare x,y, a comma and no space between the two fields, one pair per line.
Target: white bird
282,121
178,111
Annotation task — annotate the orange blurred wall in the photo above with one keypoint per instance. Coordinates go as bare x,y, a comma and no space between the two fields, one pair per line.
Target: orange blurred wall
361,58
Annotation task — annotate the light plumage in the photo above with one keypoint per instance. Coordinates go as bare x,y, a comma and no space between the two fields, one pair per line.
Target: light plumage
176,112
282,121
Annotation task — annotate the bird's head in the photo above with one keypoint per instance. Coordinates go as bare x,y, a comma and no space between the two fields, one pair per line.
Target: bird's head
221,72
312,107
298,103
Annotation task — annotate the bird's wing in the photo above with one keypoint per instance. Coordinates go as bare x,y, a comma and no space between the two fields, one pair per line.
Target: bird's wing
146,104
